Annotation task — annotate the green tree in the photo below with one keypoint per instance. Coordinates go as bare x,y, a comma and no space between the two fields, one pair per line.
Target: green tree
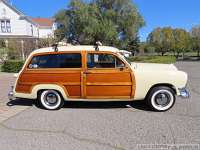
113,22
167,39
182,40
168,42
162,39
3,51
155,38
195,39
134,45
149,48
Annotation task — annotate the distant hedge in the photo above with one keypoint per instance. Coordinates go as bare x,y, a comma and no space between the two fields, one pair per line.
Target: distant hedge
12,66
154,59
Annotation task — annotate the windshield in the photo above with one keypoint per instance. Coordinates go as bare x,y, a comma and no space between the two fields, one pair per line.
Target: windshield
128,60
125,58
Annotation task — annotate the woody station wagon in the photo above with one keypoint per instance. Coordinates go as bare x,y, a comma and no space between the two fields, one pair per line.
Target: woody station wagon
96,73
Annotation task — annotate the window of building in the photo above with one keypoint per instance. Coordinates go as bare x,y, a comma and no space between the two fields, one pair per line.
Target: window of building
5,26
56,61
8,26
103,61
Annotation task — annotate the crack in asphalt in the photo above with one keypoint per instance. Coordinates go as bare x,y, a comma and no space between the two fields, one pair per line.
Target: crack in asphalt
64,133
172,133
184,115
94,141
195,91
16,114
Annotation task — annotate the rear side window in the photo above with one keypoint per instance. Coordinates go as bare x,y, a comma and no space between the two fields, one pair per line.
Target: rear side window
56,61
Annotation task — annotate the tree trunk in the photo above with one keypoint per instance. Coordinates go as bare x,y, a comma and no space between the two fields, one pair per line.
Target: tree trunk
183,55
177,55
198,53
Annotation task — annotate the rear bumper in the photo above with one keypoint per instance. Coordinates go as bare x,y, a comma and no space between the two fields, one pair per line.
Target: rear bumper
184,93
11,94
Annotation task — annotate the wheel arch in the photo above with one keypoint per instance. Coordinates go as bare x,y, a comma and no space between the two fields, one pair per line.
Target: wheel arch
164,85
41,87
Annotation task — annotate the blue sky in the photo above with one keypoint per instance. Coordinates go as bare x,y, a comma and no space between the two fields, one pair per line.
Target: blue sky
174,13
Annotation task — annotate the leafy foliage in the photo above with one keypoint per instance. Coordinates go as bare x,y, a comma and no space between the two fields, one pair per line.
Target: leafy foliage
195,39
113,22
154,59
182,39
168,39
12,66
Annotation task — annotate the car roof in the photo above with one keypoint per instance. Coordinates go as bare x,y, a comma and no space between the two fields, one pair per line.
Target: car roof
76,48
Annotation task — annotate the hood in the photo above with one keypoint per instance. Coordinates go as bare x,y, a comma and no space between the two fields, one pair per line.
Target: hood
152,66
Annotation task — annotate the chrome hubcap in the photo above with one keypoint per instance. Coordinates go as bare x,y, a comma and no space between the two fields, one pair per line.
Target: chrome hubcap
162,99
51,99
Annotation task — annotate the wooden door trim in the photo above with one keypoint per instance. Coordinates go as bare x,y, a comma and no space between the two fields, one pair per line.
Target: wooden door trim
108,97
109,84
83,75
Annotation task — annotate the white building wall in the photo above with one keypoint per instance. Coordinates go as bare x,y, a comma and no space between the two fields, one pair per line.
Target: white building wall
18,26
30,27
46,33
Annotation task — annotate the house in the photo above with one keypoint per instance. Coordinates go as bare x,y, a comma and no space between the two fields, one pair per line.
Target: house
25,30
14,24
46,27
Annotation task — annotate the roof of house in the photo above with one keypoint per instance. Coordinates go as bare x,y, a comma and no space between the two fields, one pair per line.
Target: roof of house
43,22
76,48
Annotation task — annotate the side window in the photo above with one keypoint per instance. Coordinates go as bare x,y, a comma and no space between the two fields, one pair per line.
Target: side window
70,61
103,61
44,61
56,61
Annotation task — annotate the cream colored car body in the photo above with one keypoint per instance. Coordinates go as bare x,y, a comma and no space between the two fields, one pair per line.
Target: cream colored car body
146,76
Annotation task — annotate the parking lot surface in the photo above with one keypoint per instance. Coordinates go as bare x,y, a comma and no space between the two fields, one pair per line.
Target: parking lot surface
99,126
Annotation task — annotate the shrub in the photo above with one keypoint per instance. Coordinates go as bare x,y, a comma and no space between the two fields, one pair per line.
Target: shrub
154,59
12,66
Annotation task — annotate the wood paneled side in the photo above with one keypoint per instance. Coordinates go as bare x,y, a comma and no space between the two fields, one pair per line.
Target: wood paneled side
109,77
74,90
109,83
65,78
114,91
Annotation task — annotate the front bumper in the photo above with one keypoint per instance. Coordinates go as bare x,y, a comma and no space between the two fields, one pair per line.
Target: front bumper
184,93
11,94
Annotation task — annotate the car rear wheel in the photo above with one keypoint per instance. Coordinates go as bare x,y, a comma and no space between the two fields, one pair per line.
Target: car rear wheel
161,98
51,100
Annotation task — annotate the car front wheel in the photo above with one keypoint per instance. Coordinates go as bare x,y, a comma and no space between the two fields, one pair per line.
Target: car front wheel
161,98
51,100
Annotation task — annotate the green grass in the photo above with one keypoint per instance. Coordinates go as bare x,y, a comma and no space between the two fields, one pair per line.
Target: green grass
154,59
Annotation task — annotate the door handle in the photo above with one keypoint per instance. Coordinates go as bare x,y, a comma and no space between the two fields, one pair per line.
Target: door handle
87,72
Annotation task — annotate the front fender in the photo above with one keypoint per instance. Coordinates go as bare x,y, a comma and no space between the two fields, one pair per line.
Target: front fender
147,79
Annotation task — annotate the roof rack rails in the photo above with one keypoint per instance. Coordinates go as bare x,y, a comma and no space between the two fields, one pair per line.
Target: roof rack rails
97,44
55,47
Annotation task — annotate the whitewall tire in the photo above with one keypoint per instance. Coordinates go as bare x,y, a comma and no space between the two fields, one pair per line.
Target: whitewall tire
51,100
161,98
